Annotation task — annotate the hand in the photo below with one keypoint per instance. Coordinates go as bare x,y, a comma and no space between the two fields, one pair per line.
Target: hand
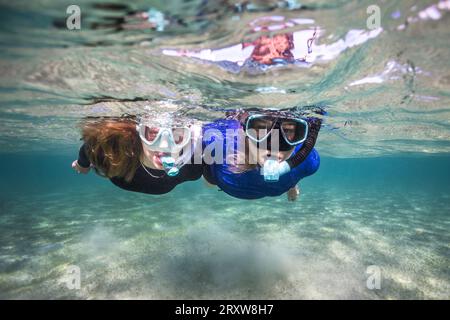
293,193
79,168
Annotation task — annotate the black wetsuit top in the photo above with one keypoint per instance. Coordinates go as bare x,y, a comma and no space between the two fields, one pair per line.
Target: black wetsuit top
145,183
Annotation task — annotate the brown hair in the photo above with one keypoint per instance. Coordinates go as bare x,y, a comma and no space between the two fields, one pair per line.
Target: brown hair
113,146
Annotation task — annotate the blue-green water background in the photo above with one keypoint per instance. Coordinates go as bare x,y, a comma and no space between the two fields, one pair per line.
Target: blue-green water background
381,196
199,243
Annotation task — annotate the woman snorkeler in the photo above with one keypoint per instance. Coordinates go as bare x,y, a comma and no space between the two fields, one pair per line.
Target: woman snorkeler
153,156
276,152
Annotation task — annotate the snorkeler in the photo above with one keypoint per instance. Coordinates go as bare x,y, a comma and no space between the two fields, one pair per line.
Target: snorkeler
259,55
153,156
299,48
277,152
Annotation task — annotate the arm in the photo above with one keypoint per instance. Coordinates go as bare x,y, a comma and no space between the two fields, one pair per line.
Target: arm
293,193
208,176
82,165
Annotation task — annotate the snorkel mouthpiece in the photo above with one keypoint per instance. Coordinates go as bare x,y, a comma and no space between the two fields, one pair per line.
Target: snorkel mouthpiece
272,170
169,166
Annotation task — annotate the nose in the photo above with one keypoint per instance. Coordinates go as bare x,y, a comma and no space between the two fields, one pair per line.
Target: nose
164,142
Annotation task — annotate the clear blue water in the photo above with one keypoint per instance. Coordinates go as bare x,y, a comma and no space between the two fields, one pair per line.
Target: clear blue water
381,196
199,243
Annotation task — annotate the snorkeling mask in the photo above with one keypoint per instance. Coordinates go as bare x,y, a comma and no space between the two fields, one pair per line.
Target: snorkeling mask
260,127
293,130
165,139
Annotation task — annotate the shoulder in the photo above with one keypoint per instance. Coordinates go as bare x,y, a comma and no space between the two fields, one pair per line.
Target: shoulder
217,130
309,166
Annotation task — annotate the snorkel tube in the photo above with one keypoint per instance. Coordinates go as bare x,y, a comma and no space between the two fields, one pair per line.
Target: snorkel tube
272,169
172,166
169,166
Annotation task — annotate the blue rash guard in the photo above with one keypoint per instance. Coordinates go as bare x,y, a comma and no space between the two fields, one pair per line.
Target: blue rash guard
251,184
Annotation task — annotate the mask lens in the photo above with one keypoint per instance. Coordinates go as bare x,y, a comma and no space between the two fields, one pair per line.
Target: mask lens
180,135
151,133
258,128
294,131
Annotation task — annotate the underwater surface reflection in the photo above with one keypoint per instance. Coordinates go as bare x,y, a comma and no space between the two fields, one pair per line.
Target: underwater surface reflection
380,197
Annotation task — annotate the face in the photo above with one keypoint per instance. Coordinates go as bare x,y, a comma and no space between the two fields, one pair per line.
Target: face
271,48
152,158
261,154
259,129
281,43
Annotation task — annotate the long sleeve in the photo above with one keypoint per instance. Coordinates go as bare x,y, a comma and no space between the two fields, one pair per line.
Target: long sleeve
83,159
